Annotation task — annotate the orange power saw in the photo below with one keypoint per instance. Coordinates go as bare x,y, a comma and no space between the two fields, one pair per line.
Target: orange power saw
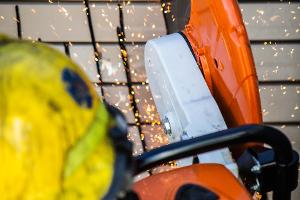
205,87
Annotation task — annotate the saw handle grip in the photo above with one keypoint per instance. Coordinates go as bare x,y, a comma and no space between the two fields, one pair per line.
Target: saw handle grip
248,133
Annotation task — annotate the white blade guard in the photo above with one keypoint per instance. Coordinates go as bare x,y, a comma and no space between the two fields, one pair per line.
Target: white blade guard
185,105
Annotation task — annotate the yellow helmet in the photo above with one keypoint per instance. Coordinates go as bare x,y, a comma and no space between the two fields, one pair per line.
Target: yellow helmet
57,139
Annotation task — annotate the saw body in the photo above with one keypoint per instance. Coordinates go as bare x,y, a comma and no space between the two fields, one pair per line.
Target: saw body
203,80
209,176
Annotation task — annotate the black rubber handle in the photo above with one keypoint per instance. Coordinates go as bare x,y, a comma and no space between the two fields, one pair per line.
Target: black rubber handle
248,133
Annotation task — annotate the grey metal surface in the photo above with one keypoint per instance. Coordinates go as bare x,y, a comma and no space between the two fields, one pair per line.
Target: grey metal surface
277,62
272,21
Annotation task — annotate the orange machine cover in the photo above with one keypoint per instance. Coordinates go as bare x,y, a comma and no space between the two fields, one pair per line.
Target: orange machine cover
220,43
214,177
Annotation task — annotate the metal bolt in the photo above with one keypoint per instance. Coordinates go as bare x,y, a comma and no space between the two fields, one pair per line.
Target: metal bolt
167,126
255,169
255,187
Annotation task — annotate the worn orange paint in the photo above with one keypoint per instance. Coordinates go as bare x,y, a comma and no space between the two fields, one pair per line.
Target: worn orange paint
214,177
220,43
221,46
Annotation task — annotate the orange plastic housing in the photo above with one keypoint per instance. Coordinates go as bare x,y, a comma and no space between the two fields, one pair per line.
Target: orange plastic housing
220,43
214,177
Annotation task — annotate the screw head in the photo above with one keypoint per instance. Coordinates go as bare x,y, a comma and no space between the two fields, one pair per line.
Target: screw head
255,169
255,187
167,126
